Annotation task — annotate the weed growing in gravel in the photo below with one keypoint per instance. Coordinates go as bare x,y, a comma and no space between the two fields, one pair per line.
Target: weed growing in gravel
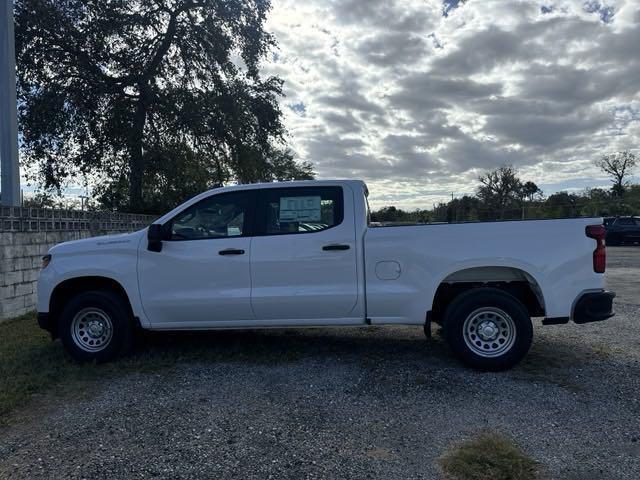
489,456
605,352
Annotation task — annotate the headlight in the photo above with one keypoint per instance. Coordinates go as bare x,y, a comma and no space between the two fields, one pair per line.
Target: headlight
46,260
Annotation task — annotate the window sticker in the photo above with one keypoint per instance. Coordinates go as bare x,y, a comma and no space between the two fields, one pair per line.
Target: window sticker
300,209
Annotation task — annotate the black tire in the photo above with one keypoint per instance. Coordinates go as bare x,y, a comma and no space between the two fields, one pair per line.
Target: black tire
507,339
427,330
100,307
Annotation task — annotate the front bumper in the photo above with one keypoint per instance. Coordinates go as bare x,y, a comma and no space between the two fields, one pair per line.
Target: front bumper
44,321
594,307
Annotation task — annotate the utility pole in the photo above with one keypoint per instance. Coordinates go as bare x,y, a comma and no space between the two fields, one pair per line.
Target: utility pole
9,166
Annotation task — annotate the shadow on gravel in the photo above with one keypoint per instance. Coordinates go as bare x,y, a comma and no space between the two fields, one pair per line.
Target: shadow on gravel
370,344
285,346
550,360
559,362
392,358
389,360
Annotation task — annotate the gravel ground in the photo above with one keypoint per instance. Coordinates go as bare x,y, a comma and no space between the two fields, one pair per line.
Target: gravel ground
350,403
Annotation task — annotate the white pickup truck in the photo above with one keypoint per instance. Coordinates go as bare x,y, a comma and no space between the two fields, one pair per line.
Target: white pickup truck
303,254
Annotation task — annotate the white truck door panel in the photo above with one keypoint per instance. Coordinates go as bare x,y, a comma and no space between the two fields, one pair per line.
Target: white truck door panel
303,257
202,275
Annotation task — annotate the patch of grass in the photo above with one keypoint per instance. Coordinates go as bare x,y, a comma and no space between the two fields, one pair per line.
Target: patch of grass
489,456
605,351
31,364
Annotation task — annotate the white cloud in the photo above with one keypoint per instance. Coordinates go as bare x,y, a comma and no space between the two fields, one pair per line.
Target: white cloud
418,103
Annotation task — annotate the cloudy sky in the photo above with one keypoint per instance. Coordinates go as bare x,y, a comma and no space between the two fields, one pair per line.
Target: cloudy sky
418,97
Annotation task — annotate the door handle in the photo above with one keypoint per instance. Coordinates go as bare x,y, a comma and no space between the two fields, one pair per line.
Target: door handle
336,246
231,251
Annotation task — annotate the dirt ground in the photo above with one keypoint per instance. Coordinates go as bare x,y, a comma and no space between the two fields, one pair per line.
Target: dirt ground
348,403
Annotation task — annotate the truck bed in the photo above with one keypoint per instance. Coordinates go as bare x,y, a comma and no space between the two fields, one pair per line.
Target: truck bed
554,255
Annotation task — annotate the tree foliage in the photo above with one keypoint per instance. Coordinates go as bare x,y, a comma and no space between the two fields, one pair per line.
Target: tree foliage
530,191
154,99
619,166
499,188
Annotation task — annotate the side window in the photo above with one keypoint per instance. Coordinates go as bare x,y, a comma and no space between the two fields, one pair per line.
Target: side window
218,216
625,221
299,210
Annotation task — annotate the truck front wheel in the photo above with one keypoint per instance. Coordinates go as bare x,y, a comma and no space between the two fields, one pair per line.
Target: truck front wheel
488,329
96,326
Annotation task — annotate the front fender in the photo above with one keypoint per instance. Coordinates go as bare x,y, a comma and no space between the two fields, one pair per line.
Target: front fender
117,262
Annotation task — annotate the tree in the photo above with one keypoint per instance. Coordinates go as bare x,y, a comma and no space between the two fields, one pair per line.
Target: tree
619,166
283,167
137,94
499,188
40,200
387,214
562,205
530,190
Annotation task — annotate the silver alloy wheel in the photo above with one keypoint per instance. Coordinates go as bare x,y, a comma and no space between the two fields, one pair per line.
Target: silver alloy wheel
489,332
91,329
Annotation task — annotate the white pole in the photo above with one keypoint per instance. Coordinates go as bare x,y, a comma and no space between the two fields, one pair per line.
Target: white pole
9,167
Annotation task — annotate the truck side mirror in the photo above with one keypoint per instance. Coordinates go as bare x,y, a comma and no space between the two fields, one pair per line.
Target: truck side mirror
155,234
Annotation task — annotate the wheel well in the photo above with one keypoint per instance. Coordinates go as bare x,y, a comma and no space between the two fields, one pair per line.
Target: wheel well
66,290
510,280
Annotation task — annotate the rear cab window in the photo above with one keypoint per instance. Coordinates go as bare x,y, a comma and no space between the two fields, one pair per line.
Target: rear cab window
298,210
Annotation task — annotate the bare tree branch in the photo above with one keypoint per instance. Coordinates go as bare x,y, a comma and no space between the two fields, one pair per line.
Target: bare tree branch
619,166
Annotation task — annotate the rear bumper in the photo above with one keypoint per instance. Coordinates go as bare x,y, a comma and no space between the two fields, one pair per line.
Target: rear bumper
594,307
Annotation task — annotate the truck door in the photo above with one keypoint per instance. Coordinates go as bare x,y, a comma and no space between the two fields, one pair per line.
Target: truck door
303,255
201,277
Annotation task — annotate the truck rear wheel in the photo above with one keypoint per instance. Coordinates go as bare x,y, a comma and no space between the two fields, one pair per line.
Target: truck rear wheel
96,326
488,329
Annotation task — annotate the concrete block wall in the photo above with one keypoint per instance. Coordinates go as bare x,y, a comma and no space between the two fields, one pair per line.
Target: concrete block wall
26,234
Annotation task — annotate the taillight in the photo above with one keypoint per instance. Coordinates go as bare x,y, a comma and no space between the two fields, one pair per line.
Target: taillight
597,232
